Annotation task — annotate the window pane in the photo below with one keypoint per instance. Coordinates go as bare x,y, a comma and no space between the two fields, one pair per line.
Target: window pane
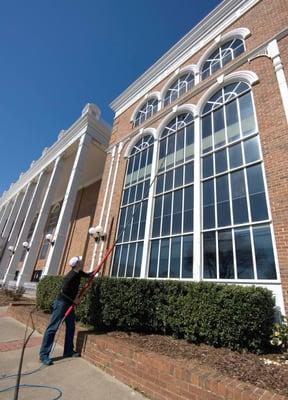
175,257
208,204
135,223
153,259
116,260
177,212
180,147
170,151
138,260
127,227
243,254
188,209
206,134
168,180
207,166
209,250
123,258
164,258
223,203
129,171
139,191
235,156
121,224
247,114
257,196
219,130
239,201
157,216
143,158
143,220
149,162
178,177
189,173
265,261
187,257
220,161
132,194
166,219
135,168
162,155
130,260
251,150
189,142
233,128
225,248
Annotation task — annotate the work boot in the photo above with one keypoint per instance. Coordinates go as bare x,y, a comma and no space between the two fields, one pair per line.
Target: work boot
46,361
72,354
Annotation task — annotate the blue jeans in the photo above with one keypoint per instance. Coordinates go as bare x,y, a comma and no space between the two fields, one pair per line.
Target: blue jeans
59,309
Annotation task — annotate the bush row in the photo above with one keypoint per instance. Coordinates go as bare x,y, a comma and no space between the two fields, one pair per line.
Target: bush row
236,317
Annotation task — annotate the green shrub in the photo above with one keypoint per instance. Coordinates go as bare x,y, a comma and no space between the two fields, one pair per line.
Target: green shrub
47,290
236,317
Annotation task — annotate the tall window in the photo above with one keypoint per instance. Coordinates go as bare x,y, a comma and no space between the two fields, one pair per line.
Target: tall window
180,86
146,111
132,219
222,56
237,242
30,233
171,246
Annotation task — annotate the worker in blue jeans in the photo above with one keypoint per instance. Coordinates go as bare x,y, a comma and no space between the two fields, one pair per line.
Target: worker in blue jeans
66,297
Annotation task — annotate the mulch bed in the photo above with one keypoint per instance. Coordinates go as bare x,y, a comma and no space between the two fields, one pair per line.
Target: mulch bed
269,371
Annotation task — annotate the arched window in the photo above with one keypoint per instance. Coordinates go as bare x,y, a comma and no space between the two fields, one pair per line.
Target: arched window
132,217
222,56
236,231
146,111
180,86
171,245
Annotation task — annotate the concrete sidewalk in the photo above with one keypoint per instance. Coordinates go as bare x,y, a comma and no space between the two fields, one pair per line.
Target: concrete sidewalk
76,378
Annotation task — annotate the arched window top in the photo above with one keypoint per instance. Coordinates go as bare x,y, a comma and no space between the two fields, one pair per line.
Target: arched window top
146,111
225,53
142,144
225,94
179,86
180,121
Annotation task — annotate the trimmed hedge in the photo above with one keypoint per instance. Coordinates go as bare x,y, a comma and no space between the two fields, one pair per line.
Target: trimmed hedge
232,316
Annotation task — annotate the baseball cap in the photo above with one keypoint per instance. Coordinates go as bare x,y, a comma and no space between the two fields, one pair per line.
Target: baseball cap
74,261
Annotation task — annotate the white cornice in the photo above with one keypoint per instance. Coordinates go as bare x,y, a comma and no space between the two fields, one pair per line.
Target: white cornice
206,30
97,129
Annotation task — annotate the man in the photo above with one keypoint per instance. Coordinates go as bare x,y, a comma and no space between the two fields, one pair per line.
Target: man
66,297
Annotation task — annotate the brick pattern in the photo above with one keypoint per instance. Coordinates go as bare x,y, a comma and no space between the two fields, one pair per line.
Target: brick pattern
17,344
159,377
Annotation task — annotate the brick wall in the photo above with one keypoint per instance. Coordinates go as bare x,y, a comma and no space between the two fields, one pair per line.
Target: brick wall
159,377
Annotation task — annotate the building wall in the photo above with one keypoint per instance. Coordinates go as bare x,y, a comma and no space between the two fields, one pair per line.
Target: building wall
264,20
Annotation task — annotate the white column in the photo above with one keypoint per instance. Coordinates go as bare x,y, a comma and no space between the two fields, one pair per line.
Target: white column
103,205
274,53
120,147
15,209
31,256
3,209
55,252
5,215
16,229
31,212
147,236
197,203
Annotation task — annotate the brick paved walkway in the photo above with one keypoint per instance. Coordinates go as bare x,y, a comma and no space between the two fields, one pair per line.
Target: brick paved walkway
17,344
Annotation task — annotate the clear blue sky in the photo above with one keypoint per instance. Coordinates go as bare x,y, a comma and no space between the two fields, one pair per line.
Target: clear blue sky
57,55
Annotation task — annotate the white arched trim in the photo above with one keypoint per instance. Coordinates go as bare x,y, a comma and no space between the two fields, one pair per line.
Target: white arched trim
246,76
176,75
240,33
135,139
177,110
147,97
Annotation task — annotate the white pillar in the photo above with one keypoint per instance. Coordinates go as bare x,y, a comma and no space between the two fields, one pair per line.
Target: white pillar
103,204
120,147
16,229
31,256
13,214
5,215
197,202
3,209
31,212
274,54
55,252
